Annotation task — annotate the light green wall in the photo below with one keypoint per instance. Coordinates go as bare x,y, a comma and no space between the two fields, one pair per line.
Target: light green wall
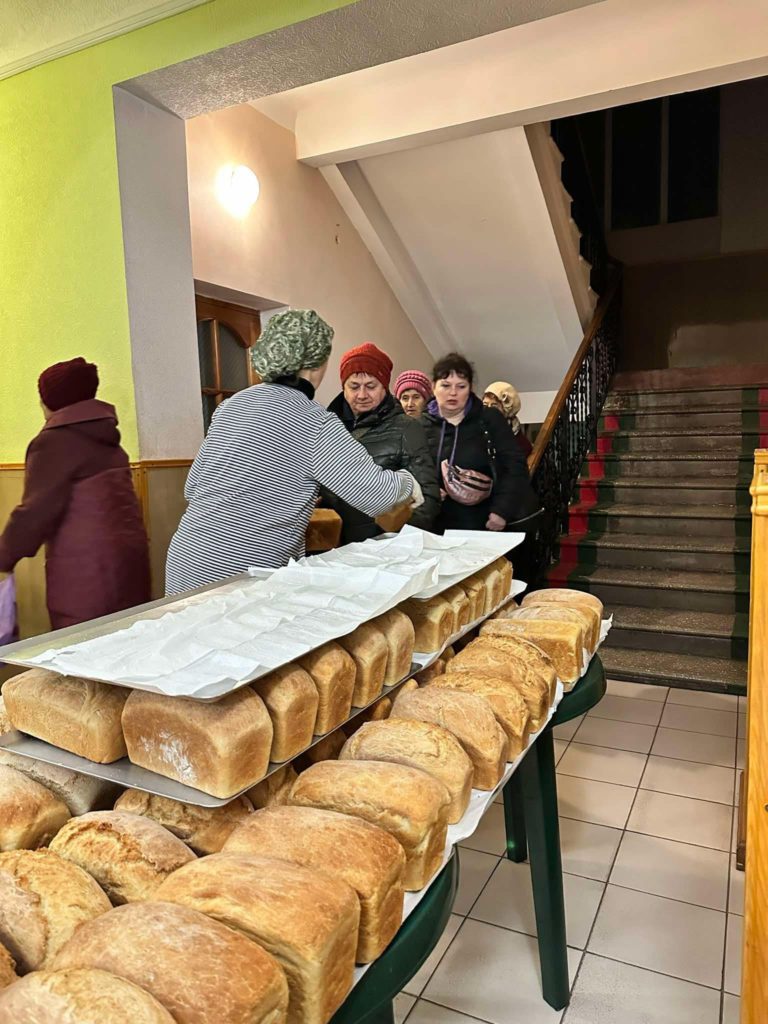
62,279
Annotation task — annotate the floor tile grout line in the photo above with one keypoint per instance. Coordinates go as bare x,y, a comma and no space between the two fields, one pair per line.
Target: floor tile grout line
443,1006
662,792
604,746
432,972
610,872
651,835
731,858
663,974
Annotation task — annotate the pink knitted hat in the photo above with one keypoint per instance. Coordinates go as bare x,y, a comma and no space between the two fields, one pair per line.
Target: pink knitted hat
413,380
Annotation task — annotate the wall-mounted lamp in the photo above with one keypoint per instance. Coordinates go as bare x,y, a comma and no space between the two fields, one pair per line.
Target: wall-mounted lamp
237,189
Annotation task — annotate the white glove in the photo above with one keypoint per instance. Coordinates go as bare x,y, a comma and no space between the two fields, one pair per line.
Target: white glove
417,495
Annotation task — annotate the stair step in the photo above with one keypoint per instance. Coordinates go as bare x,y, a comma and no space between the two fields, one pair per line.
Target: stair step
686,671
738,418
682,441
664,398
724,521
703,634
725,593
725,466
649,490
642,550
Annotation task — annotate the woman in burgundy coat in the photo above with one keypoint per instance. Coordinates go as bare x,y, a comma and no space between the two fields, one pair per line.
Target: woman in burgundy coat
80,502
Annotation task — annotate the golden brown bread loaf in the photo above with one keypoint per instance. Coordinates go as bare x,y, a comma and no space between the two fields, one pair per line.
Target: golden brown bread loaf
394,520
76,714
79,997
30,815
306,920
562,641
127,854
493,584
43,899
7,968
432,622
333,672
400,636
506,571
511,654
201,971
558,611
460,605
471,720
475,590
326,749
364,856
419,745
291,699
370,653
81,793
378,712
203,829
406,802
587,604
323,530
219,747
275,789
426,675
5,722
508,706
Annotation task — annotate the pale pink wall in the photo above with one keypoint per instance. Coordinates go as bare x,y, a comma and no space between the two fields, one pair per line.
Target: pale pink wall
297,246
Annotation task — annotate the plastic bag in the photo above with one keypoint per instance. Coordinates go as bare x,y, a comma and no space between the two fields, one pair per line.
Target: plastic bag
9,628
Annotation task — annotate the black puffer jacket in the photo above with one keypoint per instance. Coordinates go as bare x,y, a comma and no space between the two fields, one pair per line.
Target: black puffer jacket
483,442
394,441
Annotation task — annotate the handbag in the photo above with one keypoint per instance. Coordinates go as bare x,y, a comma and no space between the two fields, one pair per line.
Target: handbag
469,486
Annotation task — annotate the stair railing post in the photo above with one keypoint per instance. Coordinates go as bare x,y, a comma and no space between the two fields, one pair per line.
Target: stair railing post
754,998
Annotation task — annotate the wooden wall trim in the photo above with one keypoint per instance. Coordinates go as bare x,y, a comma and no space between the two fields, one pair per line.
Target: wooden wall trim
755,956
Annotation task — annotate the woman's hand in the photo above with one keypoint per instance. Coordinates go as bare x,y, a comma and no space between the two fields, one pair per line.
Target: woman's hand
495,522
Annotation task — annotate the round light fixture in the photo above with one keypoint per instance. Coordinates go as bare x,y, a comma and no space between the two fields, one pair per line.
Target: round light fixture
237,189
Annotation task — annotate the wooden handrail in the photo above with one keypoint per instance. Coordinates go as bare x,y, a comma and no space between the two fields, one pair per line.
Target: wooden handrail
548,427
754,998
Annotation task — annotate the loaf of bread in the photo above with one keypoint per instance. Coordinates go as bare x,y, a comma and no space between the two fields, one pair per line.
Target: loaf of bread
326,749
475,590
370,652
43,899
81,793
510,654
333,671
437,668
7,969
201,971
275,789
203,829
448,653
30,815
525,677
76,714
460,605
508,706
471,720
406,802
128,855
400,636
323,530
220,748
493,581
432,620
394,520
79,997
549,610
587,604
364,856
378,712
562,641
505,568
5,722
419,745
291,699
306,920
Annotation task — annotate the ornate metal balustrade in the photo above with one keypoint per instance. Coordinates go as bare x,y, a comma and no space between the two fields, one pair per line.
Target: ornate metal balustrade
570,428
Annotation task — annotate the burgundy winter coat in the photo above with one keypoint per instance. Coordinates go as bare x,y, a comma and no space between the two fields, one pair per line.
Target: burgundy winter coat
79,501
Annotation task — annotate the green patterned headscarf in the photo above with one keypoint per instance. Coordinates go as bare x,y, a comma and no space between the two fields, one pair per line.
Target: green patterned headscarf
297,339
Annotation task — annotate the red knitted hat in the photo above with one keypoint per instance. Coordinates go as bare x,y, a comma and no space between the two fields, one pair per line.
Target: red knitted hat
369,359
66,383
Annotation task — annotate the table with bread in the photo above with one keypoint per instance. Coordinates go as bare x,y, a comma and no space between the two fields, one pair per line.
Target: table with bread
342,784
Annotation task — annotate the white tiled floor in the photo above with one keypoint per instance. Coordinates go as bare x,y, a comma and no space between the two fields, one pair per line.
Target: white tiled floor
654,903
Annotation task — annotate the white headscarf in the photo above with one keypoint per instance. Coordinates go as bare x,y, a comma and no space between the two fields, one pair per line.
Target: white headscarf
510,401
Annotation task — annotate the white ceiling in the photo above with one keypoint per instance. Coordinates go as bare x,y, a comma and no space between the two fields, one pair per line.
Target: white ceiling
472,217
35,31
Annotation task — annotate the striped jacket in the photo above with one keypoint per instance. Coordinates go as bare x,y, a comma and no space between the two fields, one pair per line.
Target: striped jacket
252,488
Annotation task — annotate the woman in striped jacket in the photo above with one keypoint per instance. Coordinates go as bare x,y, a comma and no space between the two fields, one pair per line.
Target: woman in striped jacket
253,486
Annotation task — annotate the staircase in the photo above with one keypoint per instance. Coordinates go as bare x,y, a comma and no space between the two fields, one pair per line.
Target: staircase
660,530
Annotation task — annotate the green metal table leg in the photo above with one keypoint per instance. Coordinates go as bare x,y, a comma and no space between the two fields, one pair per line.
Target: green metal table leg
382,1015
539,786
514,820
